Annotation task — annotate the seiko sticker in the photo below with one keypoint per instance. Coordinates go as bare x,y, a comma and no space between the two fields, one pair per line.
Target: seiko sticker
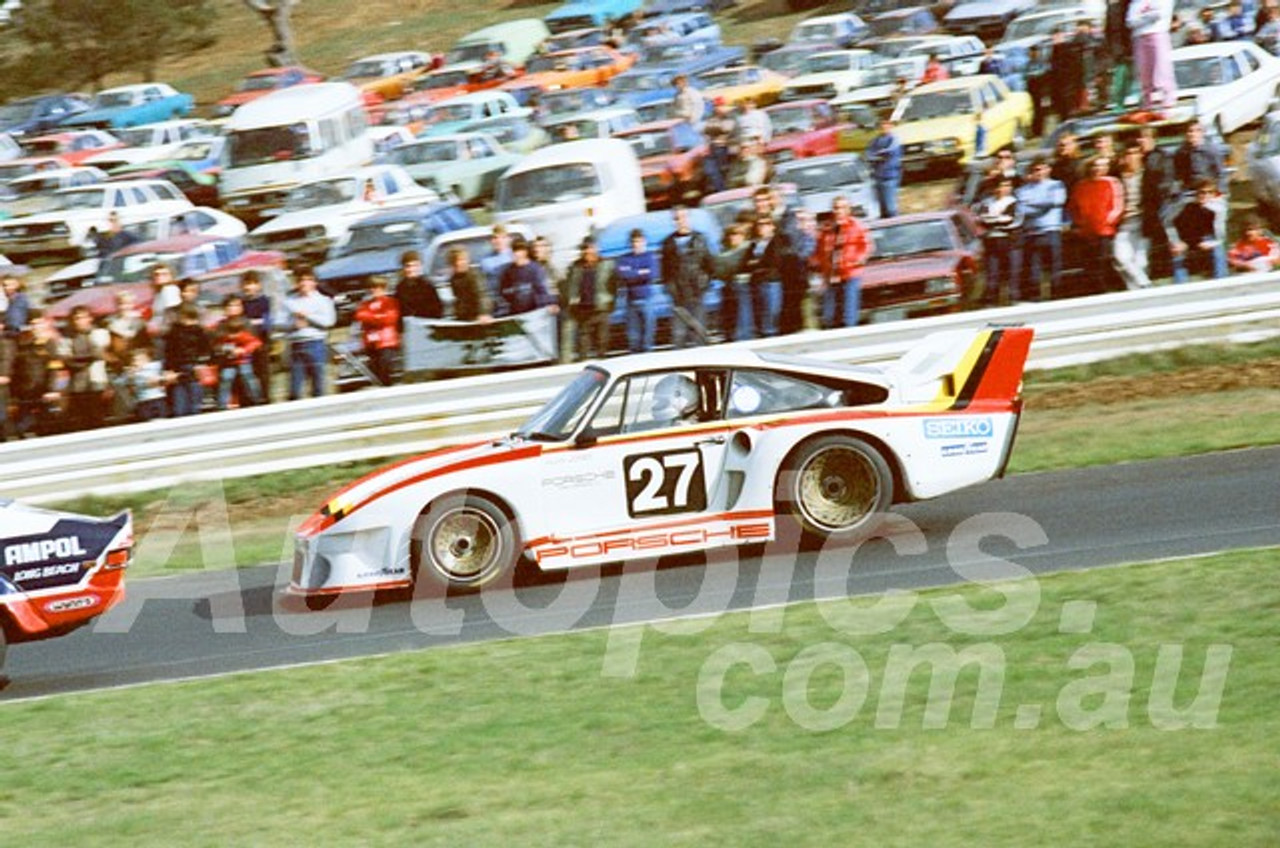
71,604
44,549
665,483
959,428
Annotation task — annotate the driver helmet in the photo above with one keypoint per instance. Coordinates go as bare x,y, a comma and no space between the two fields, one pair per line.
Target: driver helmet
674,398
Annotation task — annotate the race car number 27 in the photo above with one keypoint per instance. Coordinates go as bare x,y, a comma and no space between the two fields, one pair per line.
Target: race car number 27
665,483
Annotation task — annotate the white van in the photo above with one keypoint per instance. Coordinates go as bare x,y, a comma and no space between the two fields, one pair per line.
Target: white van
287,137
515,41
565,191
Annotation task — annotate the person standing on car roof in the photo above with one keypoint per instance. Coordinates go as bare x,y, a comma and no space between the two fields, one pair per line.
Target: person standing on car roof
1149,23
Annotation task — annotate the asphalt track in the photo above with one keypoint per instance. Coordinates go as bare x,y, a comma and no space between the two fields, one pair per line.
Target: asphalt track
218,622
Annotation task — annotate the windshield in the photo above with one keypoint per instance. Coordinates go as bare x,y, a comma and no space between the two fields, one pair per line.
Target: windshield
827,62
381,236
942,104
1198,73
824,176
890,72
16,112
365,70
1027,27
446,113
906,239
40,185
640,82
784,61
323,193
898,47
542,64
135,266
721,79
477,247
419,153
474,52
657,143
137,137
262,82
13,170
89,198
790,119
665,53
113,99
556,421
196,151
814,32
270,144
442,79
552,184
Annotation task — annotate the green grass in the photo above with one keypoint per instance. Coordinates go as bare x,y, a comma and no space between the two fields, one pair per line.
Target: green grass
529,743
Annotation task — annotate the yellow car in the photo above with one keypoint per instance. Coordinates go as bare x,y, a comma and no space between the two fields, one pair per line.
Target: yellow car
861,124
944,124
745,82
388,75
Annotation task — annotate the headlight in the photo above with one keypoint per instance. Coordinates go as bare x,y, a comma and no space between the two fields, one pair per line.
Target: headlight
315,233
942,145
60,229
939,285
238,202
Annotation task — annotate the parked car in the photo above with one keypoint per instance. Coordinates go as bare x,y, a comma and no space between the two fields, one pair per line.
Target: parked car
911,20
821,179
1231,83
885,83
516,133
860,123
578,14
961,55
131,105
450,116
73,147
844,29
986,19
388,75
465,165
569,39
789,59
568,101
652,79
944,124
375,246
260,82
576,68
745,82
78,214
802,128
1263,163
318,215
34,192
41,113
920,264
200,221
598,123
443,84
512,41
200,187
728,204
149,142
675,29
28,165
671,154
829,74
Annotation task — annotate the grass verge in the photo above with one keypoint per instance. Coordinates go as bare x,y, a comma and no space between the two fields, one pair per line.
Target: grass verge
529,743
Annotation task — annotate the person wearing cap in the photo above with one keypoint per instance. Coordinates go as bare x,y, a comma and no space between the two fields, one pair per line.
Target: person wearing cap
639,277
589,289
720,129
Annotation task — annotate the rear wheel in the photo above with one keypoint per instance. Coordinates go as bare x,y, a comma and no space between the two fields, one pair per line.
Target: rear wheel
464,542
835,486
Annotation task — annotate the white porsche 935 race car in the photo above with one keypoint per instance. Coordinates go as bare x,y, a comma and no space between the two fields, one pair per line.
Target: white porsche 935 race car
58,570
661,453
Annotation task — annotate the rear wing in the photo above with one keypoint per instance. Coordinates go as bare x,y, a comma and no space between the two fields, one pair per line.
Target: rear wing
961,368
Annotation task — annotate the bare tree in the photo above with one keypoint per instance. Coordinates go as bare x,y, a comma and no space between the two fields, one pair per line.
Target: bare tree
276,14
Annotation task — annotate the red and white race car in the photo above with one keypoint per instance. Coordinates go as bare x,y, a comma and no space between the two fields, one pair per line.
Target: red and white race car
661,453
58,570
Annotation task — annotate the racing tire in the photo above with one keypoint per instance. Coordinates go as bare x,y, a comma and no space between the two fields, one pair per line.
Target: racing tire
834,487
464,542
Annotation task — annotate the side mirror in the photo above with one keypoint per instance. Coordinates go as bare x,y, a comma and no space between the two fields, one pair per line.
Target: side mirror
586,438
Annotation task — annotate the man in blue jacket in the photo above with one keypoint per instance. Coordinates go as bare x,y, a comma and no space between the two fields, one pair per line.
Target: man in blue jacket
885,155
639,276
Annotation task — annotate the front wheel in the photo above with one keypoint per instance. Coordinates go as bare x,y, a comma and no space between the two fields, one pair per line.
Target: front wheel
835,486
464,542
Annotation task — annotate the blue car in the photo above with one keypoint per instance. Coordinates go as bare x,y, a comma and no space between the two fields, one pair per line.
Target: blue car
581,14
133,105
375,245
615,240
651,80
36,115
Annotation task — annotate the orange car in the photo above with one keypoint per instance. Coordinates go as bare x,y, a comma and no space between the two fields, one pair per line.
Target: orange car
388,75
581,67
449,82
73,146
745,82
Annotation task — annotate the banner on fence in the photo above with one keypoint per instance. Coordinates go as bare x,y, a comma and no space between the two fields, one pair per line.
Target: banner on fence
530,338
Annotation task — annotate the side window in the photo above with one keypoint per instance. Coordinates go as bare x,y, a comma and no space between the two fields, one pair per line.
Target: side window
1247,61
765,392
650,402
389,184
137,197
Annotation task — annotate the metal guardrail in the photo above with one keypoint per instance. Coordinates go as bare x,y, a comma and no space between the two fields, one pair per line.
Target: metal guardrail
412,418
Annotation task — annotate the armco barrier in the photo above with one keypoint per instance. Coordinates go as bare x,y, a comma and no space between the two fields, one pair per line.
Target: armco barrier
411,418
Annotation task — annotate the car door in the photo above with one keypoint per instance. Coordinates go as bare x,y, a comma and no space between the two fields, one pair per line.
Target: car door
651,456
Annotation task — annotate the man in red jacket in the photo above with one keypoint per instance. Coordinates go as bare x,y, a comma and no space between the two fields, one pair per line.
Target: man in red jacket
841,252
1095,207
379,318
